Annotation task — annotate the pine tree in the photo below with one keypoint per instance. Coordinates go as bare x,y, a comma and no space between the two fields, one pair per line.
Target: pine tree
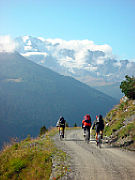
67,124
43,130
128,87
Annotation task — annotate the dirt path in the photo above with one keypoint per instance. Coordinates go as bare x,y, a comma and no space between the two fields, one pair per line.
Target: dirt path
92,163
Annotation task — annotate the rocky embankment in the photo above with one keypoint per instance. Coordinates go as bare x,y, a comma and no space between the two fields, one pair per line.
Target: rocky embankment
120,124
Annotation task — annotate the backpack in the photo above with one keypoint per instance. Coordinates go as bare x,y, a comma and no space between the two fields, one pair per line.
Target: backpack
62,121
87,120
100,122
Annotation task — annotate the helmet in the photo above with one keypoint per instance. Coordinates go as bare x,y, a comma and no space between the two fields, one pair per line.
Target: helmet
61,117
100,116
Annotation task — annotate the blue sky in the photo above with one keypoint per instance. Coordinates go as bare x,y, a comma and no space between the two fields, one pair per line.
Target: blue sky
109,22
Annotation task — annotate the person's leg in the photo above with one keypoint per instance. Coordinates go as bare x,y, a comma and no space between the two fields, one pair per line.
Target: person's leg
84,130
63,132
97,132
88,129
96,136
101,132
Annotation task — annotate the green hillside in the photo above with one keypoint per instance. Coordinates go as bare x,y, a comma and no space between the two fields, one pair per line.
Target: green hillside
32,96
120,124
32,159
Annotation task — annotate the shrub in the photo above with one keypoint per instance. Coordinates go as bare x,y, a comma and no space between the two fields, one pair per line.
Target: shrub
67,124
43,130
17,164
128,87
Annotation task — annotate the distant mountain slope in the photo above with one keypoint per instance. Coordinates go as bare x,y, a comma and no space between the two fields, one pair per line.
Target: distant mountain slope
116,93
32,96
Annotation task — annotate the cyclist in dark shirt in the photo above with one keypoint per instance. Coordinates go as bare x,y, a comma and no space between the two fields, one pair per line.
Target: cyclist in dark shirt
61,123
98,124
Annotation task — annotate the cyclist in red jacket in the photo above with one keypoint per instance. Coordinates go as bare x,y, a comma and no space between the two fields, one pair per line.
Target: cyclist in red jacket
86,124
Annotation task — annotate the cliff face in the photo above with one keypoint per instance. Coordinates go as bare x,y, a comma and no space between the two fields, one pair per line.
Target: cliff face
120,124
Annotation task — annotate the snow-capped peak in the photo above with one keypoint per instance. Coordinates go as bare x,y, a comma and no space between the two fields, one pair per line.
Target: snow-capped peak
78,58
25,38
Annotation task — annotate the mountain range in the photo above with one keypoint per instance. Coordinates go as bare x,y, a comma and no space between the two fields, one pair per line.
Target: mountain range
32,96
82,59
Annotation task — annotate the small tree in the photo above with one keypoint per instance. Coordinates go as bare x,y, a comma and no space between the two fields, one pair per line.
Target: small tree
43,130
67,124
75,125
128,87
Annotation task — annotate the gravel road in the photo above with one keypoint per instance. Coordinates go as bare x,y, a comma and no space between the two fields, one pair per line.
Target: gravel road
89,162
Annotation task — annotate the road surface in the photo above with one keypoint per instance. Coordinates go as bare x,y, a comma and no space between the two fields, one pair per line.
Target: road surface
89,162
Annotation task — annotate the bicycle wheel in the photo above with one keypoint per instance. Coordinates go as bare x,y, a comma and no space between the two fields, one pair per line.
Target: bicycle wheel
99,141
61,133
87,137
61,137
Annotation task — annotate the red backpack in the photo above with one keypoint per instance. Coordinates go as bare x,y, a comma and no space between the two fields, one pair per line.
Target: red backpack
87,120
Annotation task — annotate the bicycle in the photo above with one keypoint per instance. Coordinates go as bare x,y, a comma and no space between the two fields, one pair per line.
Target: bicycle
86,135
99,140
61,133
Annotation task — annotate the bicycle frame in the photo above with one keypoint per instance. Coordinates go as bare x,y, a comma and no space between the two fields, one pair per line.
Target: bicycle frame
86,135
61,132
99,140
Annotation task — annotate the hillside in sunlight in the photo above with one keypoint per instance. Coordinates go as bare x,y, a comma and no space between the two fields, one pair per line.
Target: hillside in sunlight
120,124
32,159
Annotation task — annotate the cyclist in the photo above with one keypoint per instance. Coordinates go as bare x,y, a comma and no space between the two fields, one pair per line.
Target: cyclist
86,124
98,124
61,123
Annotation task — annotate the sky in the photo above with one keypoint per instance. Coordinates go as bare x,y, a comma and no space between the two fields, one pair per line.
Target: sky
110,22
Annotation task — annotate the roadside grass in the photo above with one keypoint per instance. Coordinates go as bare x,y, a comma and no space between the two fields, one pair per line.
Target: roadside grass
119,124
30,159
116,125
128,130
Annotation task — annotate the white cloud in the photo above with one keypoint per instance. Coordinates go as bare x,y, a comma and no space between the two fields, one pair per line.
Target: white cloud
117,64
7,44
81,48
41,38
29,43
100,60
27,48
34,53
132,60
80,56
129,65
91,68
81,44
